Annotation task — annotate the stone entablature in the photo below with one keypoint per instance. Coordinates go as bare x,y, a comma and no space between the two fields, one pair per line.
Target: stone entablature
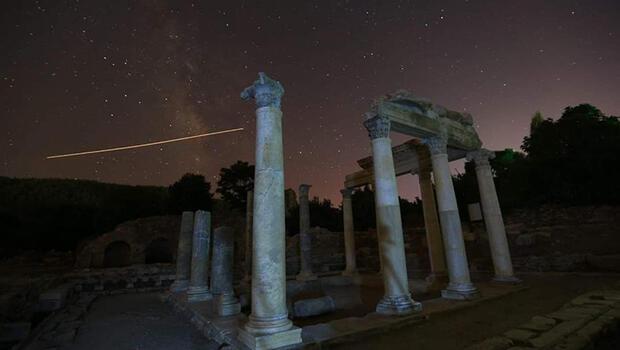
421,118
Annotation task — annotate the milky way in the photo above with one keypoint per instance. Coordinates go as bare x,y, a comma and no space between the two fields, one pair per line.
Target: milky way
89,74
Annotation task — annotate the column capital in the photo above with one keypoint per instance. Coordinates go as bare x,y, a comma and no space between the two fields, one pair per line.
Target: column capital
377,125
346,192
265,91
304,189
436,145
481,157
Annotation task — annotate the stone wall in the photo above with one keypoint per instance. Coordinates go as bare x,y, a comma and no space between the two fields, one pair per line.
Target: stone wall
328,251
158,234
553,238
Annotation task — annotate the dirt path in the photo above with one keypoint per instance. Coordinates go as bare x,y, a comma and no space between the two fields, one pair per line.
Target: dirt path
459,329
137,321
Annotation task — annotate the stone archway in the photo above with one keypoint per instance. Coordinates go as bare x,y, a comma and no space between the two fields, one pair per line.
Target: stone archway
117,254
158,251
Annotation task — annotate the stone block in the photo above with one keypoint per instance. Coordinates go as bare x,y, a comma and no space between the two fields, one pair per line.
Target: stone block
314,307
520,335
539,324
575,313
557,333
493,343
270,341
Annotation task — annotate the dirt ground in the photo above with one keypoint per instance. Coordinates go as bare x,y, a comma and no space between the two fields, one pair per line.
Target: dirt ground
459,329
134,322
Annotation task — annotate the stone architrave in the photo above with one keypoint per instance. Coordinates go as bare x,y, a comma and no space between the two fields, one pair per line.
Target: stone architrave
249,213
493,220
431,221
198,289
459,285
305,242
349,233
222,272
268,326
397,299
184,253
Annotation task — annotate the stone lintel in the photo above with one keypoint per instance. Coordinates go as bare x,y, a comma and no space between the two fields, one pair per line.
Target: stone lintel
270,341
420,118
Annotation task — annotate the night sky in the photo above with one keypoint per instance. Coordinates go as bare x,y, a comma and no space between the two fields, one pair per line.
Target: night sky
81,75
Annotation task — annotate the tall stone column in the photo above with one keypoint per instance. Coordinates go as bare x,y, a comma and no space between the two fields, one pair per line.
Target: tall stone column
184,253
198,288
459,286
222,272
493,217
268,326
431,221
249,214
305,243
349,233
397,299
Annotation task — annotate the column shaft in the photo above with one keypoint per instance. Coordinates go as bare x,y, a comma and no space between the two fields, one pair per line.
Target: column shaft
222,271
184,253
459,286
397,299
305,243
249,214
493,220
431,224
349,233
198,288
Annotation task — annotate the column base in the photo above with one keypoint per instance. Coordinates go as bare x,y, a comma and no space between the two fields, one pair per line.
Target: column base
196,294
398,305
228,305
305,276
506,280
465,291
280,339
179,286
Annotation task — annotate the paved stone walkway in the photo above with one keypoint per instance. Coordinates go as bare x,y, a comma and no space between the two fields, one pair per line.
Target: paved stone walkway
465,327
137,321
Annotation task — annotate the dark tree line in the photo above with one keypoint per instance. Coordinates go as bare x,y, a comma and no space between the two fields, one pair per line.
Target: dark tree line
569,161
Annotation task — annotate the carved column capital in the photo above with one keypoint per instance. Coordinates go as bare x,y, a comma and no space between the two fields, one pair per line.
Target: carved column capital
346,193
377,125
480,157
265,91
304,190
436,145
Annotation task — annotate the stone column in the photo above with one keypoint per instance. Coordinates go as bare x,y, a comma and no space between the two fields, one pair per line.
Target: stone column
431,221
268,326
397,299
249,213
184,253
198,288
222,272
305,243
493,216
349,233
459,286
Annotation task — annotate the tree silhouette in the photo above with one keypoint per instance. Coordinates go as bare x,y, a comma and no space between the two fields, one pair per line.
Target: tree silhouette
235,182
192,192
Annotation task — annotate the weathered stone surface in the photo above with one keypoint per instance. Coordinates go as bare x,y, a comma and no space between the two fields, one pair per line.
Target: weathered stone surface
575,313
558,332
493,343
539,324
198,288
270,341
313,307
520,335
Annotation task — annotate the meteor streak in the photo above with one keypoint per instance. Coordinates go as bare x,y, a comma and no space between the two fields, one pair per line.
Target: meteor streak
122,148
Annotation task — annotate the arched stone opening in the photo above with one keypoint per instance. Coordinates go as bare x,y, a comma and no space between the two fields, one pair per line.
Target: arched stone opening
117,254
158,251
